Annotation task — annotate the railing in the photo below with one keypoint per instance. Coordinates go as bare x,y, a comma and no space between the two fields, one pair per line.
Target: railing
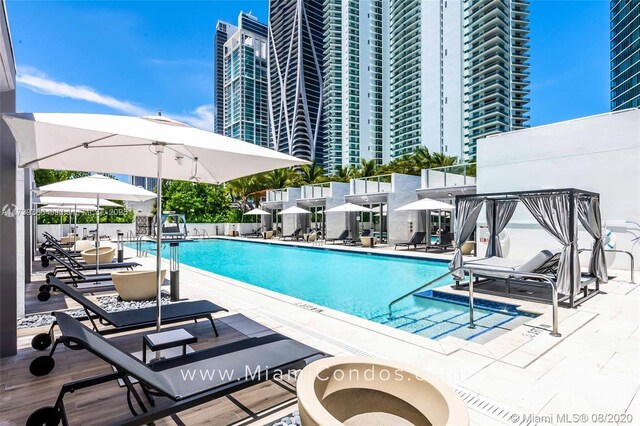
277,195
632,260
543,278
448,176
139,246
321,190
371,185
201,233
130,235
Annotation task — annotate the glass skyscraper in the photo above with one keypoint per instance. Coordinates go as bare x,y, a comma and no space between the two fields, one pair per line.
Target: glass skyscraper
459,72
355,81
496,69
625,54
296,55
245,82
223,31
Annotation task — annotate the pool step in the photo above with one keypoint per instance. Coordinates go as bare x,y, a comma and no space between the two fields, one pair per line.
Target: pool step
436,324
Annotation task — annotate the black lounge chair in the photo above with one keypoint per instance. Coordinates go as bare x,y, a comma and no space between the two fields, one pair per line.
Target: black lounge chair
245,363
445,243
415,240
255,234
52,243
134,319
81,266
344,235
294,236
76,276
357,241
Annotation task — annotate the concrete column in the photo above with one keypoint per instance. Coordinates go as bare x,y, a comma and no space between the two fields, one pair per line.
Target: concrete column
8,232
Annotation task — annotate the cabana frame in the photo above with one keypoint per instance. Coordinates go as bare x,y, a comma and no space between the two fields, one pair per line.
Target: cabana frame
574,196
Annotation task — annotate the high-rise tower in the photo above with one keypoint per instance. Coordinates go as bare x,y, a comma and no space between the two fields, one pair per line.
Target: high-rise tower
246,114
625,54
355,81
296,55
223,31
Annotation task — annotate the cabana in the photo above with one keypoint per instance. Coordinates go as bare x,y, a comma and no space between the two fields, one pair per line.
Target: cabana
558,212
174,225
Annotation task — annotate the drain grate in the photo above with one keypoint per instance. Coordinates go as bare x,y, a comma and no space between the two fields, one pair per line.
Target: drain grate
492,409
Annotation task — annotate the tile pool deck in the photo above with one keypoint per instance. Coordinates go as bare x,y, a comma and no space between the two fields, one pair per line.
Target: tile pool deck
592,369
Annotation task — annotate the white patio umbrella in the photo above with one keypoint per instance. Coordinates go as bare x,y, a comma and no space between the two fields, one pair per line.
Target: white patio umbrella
257,212
59,208
294,210
99,187
136,145
348,208
426,204
76,203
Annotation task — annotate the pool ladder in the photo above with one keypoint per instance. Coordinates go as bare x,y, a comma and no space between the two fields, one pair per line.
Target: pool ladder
469,271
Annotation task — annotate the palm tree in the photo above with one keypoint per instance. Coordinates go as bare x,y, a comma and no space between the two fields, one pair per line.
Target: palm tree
422,157
241,190
278,178
441,160
367,168
311,173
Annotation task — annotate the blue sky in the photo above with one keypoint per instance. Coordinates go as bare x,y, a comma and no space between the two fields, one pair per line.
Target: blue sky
138,57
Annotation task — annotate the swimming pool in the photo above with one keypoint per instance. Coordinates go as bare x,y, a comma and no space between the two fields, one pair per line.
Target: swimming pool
355,283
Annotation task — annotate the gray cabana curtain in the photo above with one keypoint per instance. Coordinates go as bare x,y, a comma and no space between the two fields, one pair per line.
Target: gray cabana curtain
553,213
589,214
504,211
467,212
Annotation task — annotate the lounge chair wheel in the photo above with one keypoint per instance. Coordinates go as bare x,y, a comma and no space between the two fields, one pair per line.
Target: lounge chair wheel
45,261
42,366
41,341
42,250
48,416
43,296
44,287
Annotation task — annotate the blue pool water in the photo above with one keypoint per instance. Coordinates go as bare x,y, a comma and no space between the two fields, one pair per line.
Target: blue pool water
358,284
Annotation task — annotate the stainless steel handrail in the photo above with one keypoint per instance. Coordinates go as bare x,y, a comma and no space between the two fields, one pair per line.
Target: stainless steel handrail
510,274
422,287
631,259
203,231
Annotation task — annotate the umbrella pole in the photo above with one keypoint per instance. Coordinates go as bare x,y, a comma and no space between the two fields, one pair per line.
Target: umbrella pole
97,234
159,151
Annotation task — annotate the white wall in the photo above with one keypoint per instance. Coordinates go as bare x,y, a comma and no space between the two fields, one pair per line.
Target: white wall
336,222
404,192
598,153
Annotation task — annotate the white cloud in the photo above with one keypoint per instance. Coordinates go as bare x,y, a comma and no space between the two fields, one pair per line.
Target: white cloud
201,117
38,82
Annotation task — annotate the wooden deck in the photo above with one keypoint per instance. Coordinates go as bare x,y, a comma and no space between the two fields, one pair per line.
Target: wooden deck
21,393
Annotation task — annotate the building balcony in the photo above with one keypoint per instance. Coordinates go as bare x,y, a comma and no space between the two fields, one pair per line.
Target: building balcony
449,176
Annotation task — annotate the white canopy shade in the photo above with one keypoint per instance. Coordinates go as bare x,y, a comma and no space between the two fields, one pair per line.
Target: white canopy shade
120,144
257,212
294,210
347,208
142,146
426,204
73,201
96,186
59,207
